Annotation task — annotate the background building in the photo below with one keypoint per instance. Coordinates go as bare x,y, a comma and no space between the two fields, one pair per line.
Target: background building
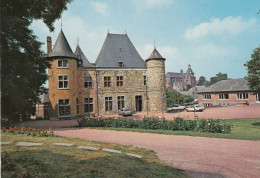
118,79
228,92
181,81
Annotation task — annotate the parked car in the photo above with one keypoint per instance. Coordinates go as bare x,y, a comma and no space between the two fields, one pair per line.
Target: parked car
195,108
125,112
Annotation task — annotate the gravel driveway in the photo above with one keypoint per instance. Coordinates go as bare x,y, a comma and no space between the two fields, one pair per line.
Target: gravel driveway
198,156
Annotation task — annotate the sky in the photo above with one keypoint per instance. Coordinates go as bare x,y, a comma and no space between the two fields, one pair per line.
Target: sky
211,35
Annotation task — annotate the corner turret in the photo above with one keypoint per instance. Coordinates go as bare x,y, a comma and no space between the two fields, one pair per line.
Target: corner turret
156,90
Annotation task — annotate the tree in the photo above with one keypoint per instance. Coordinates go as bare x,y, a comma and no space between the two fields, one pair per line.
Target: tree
253,70
176,97
202,81
219,76
23,70
170,82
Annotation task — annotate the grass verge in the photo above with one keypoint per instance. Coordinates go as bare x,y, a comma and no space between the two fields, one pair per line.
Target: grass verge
61,161
244,129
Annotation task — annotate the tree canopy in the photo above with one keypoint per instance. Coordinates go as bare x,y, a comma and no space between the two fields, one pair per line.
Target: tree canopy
219,76
253,70
176,97
23,68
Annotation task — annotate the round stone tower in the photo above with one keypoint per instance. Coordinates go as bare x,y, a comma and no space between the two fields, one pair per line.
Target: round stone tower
62,79
156,90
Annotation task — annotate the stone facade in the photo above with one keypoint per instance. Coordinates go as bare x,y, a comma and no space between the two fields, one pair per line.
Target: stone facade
156,86
139,87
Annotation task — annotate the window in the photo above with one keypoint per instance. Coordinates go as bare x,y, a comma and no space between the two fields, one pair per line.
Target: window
120,64
223,96
119,81
144,79
63,81
120,102
77,101
62,63
257,98
206,97
242,96
107,81
108,103
88,82
88,105
64,107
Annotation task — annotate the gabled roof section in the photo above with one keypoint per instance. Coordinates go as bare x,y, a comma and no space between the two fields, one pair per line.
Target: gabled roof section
61,47
228,86
174,74
118,49
78,52
155,55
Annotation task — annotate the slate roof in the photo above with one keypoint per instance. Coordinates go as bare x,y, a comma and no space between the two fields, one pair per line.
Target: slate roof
228,86
174,74
61,47
78,52
118,48
155,55
189,70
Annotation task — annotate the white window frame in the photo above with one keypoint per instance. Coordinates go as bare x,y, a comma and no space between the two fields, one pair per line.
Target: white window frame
205,96
88,103
108,103
62,63
120,100
88,81
64,105
62,80
119,82
242,96
221,96
257,98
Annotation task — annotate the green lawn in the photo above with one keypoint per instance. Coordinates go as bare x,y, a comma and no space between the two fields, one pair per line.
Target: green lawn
58,161
245,129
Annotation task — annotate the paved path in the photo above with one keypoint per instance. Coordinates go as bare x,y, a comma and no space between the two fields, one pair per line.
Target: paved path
198,156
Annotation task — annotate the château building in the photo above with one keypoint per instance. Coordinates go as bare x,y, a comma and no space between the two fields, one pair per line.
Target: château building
118,79
181,81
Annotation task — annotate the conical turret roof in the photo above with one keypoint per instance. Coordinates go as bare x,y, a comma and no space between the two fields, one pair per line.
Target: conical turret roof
61,47
78,52
155,55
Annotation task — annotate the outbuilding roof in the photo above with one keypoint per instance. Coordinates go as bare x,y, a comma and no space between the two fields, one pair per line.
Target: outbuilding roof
116,49
61,47
78,52
228,86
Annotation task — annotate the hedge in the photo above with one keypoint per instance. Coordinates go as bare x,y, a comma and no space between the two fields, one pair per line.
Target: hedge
154,123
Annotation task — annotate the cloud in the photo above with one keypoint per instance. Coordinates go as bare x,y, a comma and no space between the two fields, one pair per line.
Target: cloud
100,7
229,25
210,50
152,3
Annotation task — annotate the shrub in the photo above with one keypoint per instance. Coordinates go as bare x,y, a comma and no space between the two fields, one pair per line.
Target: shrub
29,131
154,123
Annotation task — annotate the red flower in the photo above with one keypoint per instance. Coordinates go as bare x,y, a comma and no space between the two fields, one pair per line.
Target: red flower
13,163
22,175
28,171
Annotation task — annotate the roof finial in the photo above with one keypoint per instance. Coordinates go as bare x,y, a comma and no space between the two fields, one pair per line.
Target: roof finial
125,32
154,43
77,41
61,22
107,31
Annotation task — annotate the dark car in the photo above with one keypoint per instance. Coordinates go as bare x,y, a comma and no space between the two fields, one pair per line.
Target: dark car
125,112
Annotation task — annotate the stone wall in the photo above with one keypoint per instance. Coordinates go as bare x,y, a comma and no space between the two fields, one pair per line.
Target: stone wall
133,85
156,85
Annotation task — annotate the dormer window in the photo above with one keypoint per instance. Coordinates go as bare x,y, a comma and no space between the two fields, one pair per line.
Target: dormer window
120,64
62,63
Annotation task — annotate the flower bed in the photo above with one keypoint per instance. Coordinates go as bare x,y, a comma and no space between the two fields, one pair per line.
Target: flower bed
154,123
29,131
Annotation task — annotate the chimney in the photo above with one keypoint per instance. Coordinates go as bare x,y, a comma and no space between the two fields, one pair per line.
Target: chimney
49,45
